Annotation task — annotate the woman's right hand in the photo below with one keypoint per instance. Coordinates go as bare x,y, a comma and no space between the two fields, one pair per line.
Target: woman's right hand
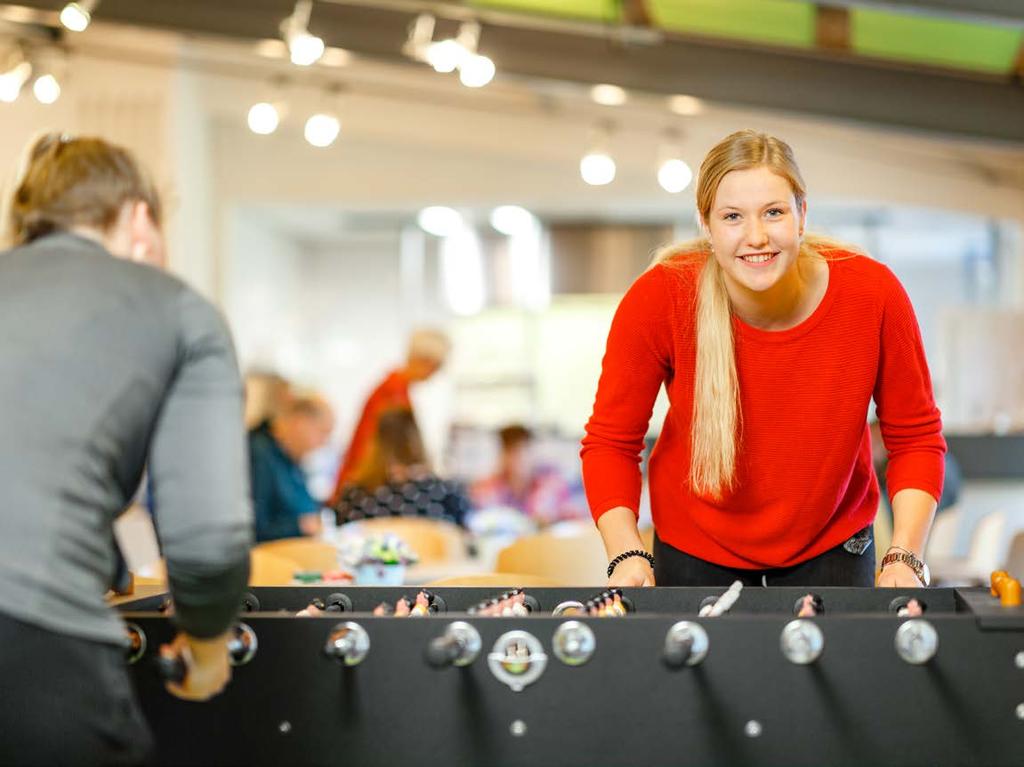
634,571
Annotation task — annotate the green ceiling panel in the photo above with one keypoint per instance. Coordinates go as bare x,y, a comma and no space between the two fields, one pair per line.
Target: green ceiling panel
597,10
935,41
773,22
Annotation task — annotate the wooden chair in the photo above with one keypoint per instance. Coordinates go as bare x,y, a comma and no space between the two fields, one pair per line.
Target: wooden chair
577,560
308,553
990,544
498,580
266,568
433,540
269,569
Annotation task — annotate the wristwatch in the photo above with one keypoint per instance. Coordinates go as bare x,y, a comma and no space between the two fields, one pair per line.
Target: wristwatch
918,566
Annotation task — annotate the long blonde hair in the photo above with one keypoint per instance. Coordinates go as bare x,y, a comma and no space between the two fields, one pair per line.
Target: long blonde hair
715,432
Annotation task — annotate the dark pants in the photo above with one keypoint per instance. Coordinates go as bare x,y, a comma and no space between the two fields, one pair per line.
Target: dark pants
836,567
66,701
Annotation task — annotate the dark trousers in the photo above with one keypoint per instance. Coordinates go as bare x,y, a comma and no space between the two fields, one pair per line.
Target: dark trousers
66,701
835,567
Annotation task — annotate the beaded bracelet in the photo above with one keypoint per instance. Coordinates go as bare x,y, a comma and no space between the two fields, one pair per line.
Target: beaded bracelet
626,555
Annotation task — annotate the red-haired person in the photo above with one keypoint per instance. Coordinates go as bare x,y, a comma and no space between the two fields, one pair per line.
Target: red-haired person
427,351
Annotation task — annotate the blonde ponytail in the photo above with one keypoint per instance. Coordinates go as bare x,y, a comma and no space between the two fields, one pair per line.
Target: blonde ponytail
715,433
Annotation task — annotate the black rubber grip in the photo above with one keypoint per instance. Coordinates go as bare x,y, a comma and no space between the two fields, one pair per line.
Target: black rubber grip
442,652
677,652
171,669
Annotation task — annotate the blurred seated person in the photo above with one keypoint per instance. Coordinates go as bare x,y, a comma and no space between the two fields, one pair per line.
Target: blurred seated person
427,351
282,504
266,394
395,479
520,482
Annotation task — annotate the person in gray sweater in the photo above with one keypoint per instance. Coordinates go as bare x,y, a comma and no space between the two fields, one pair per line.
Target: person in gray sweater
107,366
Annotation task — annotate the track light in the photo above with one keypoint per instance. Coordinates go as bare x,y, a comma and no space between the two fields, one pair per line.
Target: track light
303,48
263,118
322,129
460,53
476,71
439,220
674,174
685,106
445,55
46,89
418,41
597,167
76,16
608,95
12,80
513,220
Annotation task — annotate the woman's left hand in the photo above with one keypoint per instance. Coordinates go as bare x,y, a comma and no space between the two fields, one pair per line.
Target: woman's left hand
898,575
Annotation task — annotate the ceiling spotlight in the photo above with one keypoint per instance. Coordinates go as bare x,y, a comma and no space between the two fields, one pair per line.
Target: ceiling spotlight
263,118
674,175
76,16
12,81
476,71
304,48
687,106
421,33
439,220
597,168
511,220
46,89
609,95
445,55
322,129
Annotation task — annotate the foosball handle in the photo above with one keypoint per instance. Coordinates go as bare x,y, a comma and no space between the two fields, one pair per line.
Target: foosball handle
338,603
171,669
442,651
677,653
458,646
1006,587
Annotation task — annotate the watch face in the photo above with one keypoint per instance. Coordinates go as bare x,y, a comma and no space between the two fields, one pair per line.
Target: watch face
926,574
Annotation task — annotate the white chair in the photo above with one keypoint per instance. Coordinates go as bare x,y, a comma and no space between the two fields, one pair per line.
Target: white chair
989,546
1015,557
942,539
572,560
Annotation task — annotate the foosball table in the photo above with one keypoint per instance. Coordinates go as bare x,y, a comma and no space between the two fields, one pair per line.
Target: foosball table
563,676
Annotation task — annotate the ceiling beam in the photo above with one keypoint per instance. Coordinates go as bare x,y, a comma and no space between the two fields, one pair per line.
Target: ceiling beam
636,13
814,83
832,28
1006,11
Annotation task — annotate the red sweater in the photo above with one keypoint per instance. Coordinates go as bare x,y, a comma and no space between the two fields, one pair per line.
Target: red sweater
805,481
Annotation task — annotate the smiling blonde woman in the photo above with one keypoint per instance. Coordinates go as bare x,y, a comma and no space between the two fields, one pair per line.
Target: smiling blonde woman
771,343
